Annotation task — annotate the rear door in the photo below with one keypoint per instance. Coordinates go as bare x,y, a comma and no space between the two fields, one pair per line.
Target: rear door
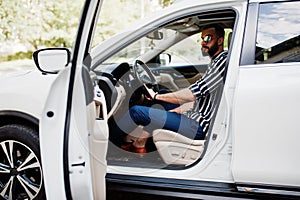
70,127
266,109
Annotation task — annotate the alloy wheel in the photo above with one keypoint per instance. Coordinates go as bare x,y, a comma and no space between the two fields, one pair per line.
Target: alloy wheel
20,171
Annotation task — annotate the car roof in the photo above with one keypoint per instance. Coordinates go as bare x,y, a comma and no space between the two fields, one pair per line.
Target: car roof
263,1
212,1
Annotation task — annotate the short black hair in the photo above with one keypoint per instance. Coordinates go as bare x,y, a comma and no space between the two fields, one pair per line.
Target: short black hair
218,28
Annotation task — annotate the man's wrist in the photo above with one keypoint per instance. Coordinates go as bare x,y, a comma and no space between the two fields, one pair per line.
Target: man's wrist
155,96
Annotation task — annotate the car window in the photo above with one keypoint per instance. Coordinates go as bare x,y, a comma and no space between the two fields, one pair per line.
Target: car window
185,51
116,15
278,33
144,45
188,51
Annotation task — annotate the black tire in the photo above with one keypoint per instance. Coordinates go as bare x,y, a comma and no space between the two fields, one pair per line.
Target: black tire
21,175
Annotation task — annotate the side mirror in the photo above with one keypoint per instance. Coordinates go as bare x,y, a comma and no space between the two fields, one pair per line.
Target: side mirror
164,59
51,60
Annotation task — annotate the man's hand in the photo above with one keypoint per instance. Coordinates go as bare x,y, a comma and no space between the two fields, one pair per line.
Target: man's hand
183,108
150,93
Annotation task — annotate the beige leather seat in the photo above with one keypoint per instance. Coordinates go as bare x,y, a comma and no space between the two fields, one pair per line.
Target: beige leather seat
176,149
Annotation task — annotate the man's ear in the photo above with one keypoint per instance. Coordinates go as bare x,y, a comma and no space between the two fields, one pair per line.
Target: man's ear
220,41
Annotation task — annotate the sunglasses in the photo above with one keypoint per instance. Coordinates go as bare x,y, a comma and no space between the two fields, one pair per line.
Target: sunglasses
207,39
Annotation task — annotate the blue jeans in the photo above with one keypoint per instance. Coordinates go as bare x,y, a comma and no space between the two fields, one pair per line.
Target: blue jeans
157,116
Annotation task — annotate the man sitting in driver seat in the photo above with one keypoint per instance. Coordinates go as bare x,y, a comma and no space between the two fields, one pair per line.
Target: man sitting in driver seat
197,102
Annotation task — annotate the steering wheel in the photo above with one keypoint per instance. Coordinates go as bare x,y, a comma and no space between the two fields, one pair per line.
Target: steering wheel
144,75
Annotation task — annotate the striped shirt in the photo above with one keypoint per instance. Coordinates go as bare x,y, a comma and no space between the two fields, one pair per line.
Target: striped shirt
207,90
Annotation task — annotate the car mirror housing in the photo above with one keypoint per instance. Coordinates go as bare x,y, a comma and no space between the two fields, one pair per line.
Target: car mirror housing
51,60
164,58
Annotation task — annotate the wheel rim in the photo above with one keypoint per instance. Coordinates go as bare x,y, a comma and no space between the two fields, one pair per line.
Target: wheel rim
20,171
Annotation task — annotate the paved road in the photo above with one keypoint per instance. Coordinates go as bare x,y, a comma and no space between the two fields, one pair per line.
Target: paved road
12,66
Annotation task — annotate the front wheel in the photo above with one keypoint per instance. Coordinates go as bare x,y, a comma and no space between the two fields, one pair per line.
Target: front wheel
21,174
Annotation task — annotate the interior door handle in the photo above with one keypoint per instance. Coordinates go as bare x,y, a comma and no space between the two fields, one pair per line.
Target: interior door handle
177,75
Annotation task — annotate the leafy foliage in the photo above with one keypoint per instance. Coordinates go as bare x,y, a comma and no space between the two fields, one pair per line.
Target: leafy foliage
38,23
166,3
45,23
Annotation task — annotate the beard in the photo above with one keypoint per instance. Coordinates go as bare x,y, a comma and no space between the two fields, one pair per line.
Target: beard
212,50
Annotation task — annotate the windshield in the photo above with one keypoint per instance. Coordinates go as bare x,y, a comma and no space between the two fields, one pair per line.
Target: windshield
140,47
183,49
116,15
177,43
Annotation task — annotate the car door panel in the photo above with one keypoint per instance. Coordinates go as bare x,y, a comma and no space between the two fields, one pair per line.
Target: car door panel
265,125
69,124
180,76
51,139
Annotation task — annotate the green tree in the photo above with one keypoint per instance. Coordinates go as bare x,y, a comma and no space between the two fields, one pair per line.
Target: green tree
46,23
165,3
37,23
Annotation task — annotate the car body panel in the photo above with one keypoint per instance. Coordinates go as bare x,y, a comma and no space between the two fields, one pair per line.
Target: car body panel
267,89
22,95
265,99
52,137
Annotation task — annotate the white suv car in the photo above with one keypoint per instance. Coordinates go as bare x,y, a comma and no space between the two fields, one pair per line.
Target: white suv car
55,138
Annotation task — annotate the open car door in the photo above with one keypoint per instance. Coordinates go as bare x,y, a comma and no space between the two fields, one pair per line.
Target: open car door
73,135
